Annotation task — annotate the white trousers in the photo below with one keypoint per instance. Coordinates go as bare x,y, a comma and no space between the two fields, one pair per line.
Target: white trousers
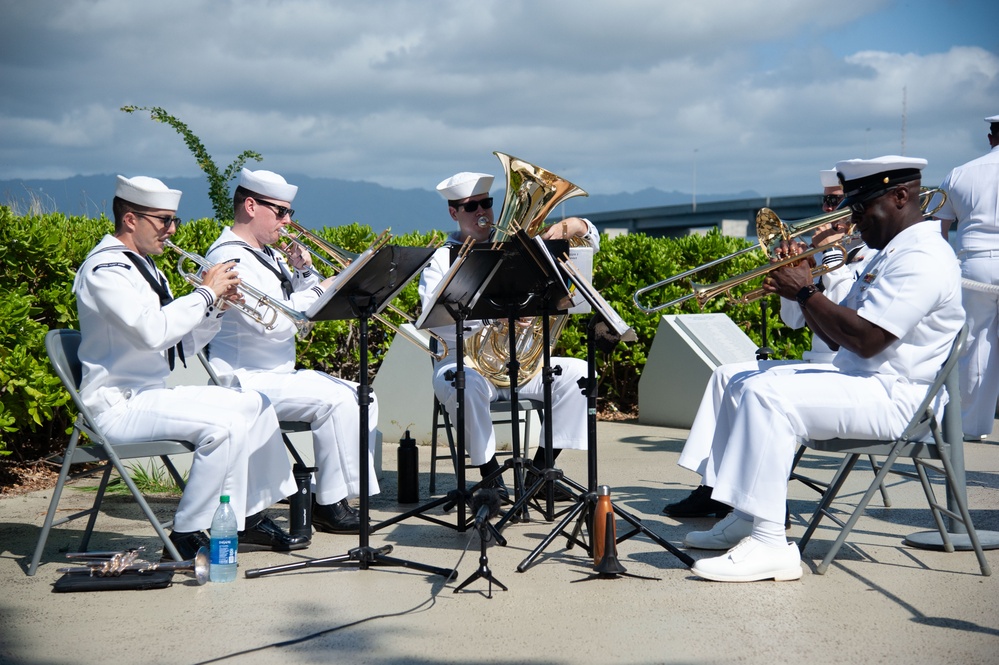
763,417
725,383
979,363
238,448
568,406
330,405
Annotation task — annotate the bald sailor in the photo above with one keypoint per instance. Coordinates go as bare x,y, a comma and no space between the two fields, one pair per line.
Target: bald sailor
133,330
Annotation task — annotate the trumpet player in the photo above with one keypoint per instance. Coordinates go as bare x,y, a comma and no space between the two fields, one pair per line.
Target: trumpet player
835,285
891,334
471,207
248,355
133,330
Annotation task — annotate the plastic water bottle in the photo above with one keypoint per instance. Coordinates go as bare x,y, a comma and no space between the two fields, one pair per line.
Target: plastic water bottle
224,543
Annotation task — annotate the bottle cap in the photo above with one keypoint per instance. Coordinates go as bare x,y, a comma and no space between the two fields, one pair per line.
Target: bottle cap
603,490
224,498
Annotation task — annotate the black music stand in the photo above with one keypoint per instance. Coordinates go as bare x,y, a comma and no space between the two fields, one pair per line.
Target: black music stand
360,291
464,282
528,284
611,329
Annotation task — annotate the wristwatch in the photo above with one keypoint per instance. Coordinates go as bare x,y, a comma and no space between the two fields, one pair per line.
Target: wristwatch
805,293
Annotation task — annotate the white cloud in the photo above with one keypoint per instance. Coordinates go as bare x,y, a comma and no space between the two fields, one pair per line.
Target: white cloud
615,96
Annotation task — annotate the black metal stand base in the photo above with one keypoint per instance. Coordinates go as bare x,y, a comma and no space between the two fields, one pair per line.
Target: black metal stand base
582,510
483,571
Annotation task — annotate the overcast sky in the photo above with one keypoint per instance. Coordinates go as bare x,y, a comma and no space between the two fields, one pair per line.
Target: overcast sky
705,96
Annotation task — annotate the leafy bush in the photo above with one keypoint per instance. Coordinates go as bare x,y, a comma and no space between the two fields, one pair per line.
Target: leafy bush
39,255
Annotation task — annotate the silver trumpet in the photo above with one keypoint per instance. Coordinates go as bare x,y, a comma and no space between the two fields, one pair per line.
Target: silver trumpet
266,310
336,259
113,564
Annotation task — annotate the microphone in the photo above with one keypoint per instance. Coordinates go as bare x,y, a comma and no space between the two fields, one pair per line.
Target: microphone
485,505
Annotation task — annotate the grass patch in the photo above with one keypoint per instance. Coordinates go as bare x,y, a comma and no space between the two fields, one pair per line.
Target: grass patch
150,480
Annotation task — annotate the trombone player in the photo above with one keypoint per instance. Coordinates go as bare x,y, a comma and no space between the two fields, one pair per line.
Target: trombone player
248,355
133,330
892,333
835,285
471,208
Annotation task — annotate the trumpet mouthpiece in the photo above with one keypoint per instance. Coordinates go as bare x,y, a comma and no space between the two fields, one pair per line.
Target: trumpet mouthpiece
483,222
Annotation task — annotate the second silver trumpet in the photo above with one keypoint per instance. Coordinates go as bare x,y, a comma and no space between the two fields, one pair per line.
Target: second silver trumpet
265,311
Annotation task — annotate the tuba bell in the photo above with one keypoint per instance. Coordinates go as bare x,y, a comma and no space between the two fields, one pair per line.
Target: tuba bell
531,194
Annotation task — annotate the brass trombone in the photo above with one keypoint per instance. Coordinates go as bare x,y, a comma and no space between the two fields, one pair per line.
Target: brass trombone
340,259
265,312
770,231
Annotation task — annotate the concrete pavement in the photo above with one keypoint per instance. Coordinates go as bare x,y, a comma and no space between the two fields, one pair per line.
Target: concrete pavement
879,602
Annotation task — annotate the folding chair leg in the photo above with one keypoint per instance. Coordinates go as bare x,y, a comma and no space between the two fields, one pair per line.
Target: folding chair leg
962,506
879,479
884,490
832,490
54,502
98,500
144,505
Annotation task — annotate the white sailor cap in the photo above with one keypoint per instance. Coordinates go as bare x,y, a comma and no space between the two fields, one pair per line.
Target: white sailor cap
992,119
267,183
149,192
828,178
463,185
862,178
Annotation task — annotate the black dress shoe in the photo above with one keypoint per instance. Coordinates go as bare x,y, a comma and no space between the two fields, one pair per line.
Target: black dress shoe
698,504
187,543
263,531
338,517
560,492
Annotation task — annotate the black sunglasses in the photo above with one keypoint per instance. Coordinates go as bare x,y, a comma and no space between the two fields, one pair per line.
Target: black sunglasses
166,220
858,207
472,206
832,200
279,211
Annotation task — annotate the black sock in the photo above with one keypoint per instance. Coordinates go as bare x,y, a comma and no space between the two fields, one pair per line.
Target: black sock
488,467
539,457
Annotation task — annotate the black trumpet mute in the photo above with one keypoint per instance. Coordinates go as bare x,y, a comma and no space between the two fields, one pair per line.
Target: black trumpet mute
609,565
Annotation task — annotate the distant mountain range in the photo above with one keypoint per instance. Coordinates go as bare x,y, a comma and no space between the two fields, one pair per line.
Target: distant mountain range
320,201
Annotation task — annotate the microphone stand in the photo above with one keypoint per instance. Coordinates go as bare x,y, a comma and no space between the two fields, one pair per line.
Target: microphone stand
483,571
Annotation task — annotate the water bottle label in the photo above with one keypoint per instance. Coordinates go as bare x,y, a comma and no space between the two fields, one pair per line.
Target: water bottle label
223,551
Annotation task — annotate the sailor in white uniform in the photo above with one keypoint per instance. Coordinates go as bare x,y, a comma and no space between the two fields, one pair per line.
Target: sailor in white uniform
973,203
835,285
471,207
133,330
247,355
893,330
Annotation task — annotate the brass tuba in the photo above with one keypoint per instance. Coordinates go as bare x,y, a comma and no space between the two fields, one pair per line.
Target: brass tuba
531,194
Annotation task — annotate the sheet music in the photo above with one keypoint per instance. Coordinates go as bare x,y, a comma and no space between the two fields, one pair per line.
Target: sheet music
611,317
342,278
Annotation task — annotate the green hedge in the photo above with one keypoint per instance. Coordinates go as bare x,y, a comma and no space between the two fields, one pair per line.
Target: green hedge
40,253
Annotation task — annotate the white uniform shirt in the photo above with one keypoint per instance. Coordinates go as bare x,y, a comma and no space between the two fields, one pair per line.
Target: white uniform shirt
835,285
912,289
126,332
243,344
973,200
439,265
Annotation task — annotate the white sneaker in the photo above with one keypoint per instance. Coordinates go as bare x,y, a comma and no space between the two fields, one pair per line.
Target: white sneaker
725,535
750,561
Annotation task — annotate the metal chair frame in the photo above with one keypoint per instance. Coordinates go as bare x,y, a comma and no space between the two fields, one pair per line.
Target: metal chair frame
923,442
62,346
